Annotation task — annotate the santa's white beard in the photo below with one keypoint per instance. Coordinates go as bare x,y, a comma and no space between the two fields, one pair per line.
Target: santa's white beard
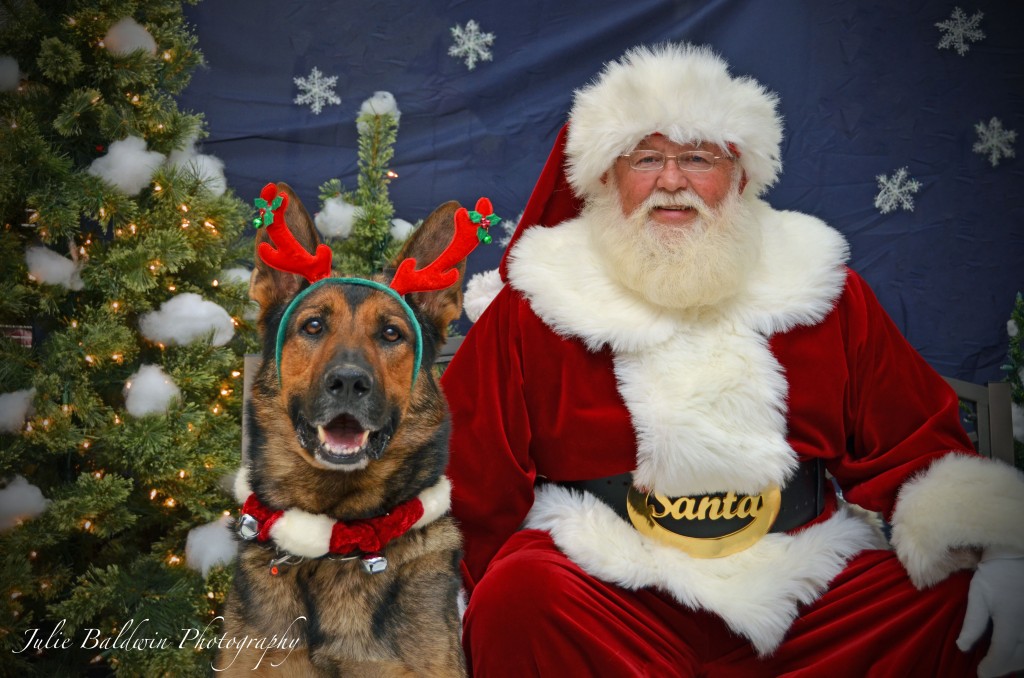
702,264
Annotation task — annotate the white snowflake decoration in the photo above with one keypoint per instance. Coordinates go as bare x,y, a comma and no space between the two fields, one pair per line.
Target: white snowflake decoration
994,140
896,191
958,30
317,91
471,44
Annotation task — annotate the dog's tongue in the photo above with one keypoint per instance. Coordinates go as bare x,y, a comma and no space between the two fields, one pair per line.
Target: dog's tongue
343,435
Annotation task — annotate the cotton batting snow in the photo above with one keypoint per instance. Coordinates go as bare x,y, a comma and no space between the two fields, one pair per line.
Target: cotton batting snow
127,165
149,391
401,229
48,267
237,274
126,36
186,318
210,545
336,218
209,169
20,500
10,74
379,104
480,291
15,408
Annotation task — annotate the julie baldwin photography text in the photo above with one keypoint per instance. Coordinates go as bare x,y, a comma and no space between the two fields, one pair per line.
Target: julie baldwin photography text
138,636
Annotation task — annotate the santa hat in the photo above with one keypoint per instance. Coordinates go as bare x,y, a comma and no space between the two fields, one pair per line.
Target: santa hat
682,91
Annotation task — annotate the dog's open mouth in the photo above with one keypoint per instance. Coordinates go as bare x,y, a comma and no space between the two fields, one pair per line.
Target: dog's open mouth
342,440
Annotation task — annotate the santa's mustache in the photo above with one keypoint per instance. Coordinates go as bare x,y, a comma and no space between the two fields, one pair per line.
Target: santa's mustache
679,199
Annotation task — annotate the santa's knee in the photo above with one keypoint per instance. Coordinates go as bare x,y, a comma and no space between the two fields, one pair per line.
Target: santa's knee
521,594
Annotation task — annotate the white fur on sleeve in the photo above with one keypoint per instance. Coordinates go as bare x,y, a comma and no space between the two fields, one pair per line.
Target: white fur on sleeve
959,502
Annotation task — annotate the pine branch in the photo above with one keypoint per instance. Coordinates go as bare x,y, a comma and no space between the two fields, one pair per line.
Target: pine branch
365,251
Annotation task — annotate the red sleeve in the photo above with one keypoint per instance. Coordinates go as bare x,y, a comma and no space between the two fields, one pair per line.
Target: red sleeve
490,469
900,415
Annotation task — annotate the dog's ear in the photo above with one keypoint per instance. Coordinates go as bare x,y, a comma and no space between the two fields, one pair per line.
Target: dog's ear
267,285
426,243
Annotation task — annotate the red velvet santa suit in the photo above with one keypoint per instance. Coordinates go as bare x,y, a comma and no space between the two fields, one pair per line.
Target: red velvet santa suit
568,376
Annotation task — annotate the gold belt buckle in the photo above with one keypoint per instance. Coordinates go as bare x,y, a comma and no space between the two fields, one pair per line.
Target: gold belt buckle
651,512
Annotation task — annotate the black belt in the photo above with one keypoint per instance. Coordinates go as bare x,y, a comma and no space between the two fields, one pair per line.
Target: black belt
803,497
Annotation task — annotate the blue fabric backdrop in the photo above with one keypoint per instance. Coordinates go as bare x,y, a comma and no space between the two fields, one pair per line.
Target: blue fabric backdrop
865,90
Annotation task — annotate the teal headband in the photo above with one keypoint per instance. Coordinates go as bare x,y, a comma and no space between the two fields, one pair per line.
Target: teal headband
282,328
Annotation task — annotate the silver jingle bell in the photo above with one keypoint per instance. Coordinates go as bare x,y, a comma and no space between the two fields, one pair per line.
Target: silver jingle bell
374,563
247,527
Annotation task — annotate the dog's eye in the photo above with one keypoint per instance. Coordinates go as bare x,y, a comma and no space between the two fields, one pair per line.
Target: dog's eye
313,326
391,333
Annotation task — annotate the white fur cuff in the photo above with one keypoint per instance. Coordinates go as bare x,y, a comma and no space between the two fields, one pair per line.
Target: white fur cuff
959,502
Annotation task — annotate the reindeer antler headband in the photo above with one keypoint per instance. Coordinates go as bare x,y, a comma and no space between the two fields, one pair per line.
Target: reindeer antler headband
288,255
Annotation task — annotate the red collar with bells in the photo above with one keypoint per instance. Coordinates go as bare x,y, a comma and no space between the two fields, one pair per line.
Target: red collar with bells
365,537
296,535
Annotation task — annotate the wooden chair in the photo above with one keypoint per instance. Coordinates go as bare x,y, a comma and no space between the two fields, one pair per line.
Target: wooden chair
988,417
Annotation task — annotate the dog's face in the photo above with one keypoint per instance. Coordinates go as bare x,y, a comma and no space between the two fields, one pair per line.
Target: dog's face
347,352
346,373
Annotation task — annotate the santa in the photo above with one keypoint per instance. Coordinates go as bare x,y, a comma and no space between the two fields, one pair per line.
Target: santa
680,424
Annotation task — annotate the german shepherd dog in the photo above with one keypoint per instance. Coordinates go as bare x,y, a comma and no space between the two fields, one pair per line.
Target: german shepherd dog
336,575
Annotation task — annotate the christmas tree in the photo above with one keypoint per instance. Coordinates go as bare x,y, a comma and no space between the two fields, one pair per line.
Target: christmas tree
125,320
367,236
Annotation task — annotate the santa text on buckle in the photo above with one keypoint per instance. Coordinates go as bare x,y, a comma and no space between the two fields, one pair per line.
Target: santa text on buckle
707,526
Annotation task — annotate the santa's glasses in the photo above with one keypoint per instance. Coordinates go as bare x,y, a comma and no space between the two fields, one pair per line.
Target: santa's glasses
688,161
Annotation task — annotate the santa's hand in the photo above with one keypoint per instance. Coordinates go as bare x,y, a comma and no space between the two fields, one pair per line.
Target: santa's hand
997,593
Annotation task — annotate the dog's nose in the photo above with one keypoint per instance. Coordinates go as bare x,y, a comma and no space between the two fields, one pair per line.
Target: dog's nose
348,381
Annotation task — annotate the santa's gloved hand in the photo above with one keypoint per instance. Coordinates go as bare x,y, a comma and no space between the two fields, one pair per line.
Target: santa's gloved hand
997,593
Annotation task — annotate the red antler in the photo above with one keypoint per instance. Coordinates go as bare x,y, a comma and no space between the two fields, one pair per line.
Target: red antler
288,254
441,272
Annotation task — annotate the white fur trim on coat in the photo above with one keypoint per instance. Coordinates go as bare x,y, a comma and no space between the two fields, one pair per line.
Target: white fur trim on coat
960,502
684,92
709,410
756,591
796,282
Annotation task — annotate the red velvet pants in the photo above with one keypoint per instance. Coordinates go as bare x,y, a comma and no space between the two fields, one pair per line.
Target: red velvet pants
535,613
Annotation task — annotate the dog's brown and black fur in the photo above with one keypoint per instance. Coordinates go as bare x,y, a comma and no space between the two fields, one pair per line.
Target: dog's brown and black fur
347,362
